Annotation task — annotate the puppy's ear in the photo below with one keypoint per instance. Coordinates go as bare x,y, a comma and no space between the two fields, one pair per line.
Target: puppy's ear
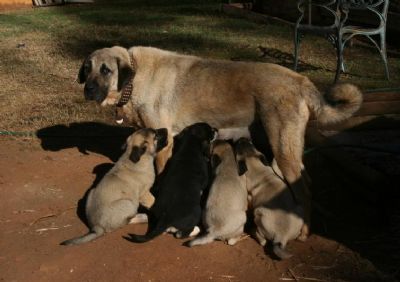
263,159
162,138
242,167
137,152
83,71
215,161
125,74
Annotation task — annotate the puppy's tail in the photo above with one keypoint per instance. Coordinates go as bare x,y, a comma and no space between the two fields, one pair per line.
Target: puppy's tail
339,103
95,233
280,251
208,238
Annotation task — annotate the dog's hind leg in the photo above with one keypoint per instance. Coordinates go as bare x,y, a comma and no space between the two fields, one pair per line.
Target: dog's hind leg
287,143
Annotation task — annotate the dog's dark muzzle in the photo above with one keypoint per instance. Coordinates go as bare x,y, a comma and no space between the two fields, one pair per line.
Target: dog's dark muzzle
92,92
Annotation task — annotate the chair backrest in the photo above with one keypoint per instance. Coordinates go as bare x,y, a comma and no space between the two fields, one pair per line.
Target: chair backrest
377,7
319,13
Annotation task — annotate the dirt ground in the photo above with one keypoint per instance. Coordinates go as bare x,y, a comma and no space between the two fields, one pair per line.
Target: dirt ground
41,183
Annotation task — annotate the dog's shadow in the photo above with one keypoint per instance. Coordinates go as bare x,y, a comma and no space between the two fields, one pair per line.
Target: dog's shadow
87,137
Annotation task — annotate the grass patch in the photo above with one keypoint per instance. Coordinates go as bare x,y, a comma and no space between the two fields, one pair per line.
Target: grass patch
41,51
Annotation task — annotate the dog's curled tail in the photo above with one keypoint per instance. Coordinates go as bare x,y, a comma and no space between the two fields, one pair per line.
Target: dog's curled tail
208,238
339,103
280,251
93,234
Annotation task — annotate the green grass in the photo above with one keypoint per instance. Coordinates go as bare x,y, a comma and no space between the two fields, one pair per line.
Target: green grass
37,80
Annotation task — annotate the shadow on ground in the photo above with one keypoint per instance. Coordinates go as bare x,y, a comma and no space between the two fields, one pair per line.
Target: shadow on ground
355,192
87,137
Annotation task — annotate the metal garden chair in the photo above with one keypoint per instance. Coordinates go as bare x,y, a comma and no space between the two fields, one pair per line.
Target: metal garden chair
336,27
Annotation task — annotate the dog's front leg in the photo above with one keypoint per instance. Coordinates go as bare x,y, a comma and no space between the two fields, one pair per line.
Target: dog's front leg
164,155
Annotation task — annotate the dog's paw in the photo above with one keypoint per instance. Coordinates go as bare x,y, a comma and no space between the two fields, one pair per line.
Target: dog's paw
195,232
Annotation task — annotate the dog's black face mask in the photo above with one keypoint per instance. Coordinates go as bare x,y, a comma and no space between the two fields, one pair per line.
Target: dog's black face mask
101,72
97,81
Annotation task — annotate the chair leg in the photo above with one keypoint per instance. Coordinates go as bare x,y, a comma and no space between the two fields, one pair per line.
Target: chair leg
296,48
339,54
383,54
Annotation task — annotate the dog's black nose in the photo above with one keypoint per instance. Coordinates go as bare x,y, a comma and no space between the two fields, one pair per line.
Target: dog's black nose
90,86
90,90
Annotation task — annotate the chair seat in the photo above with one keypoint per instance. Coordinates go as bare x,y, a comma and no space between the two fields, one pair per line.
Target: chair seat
359,29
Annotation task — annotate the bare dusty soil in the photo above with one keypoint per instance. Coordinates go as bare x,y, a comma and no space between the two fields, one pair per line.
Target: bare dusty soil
42,182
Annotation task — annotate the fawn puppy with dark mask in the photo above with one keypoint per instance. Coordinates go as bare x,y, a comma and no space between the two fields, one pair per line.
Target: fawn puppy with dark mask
277,214
225,213
115,200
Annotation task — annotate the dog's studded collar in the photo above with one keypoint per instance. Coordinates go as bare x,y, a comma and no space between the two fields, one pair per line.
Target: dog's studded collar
125,96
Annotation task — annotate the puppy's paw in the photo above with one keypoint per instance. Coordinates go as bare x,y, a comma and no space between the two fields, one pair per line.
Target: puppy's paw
195,232
304,233
139,218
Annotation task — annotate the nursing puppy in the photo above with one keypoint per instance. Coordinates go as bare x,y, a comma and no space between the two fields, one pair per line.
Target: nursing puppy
115,200
225,213
277,214
177,206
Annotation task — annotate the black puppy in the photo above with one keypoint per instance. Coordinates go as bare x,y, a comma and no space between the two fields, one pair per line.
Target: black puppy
177,206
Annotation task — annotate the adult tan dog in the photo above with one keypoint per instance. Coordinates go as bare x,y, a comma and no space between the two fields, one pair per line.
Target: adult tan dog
115,200
174,91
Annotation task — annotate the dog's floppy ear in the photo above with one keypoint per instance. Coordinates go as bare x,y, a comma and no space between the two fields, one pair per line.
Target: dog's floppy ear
83,71
137,152
215,161
242,167
162,138
125,74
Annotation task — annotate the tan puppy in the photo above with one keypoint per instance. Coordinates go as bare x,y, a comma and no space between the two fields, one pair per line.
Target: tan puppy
174,91
225,213
279,218
115,200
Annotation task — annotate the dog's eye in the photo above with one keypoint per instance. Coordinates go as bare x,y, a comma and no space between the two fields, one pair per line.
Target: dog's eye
104,70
